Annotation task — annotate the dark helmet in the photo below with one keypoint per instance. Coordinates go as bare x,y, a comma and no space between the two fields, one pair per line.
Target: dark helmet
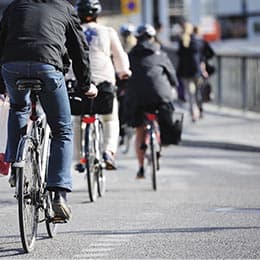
88,8
145,30
127,29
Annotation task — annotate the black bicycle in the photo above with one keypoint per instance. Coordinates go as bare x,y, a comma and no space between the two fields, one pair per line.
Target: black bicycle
152,145
30,169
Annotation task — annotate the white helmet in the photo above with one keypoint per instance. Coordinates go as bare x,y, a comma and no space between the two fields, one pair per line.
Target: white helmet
145,29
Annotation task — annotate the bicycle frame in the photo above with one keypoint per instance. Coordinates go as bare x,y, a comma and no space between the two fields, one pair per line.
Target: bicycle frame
94,121
152,129
34,122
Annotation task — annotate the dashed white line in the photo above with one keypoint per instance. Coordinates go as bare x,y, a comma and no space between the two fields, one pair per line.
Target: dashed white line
102,247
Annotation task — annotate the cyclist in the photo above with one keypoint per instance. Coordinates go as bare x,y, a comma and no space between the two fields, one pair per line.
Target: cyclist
127,36
153,76
128,42
36,40
107,59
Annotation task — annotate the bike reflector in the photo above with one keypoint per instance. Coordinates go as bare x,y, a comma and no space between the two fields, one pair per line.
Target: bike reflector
83,160
151,117
88,119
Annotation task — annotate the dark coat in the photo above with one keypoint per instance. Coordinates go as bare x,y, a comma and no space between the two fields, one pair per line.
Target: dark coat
206,54
153,76
189,59
46,31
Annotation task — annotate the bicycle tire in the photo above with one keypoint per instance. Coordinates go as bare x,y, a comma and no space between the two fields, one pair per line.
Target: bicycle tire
48,195
100,173
153,162
28,191
91,173
50,226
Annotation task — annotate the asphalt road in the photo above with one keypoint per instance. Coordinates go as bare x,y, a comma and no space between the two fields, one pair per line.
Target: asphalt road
207,206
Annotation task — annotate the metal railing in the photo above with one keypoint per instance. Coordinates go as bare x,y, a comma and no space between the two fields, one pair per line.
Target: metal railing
236,83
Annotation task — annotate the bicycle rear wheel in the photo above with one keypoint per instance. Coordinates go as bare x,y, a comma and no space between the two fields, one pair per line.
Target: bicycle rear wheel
48,195
153,163
92,177
100,173
50,225
28,192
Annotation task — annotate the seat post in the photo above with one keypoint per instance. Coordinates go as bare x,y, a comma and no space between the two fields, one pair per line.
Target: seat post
34,99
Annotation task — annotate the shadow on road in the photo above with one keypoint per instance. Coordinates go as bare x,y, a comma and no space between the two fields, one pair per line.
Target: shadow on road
158,231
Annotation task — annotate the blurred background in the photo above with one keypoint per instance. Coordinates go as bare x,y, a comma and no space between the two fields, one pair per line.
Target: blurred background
219,19
231,26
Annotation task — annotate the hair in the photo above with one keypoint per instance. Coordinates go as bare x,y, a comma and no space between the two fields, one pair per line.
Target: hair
187,32
197,30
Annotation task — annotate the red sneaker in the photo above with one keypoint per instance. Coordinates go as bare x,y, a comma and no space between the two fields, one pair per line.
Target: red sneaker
4,166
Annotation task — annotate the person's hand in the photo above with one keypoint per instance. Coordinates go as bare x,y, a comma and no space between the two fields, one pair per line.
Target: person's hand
92,92
125,75
204,72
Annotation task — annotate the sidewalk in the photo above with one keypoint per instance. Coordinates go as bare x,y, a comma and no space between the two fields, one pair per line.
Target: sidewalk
222,128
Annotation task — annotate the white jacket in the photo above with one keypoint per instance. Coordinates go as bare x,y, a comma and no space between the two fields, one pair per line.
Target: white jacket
107,56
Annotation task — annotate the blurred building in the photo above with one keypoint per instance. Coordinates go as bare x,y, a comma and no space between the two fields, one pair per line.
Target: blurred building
234,18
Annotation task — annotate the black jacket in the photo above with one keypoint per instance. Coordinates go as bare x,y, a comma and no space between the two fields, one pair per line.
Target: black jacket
46,31
189,59
153,76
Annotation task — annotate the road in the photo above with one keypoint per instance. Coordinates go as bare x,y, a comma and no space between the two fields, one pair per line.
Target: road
207,206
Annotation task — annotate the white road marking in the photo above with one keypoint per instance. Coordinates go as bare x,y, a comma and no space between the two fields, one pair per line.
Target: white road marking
101,248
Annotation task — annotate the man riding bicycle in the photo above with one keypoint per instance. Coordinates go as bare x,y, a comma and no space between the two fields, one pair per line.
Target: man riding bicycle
37,38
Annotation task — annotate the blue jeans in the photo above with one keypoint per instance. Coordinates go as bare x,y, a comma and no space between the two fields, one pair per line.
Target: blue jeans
54,100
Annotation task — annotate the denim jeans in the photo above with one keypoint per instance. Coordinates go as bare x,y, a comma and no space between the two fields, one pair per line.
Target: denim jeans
55,103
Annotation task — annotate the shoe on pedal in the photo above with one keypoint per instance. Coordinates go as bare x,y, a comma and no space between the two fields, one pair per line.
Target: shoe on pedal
109,161
140,173
60,208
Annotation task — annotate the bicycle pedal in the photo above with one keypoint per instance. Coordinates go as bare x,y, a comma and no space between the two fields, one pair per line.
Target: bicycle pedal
79,167
58,220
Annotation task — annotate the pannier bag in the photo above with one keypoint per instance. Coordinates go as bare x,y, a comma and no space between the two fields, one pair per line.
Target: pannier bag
171,124
102,104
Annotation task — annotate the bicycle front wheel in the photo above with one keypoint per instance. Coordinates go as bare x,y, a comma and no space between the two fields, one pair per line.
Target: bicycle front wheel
28,192
91,172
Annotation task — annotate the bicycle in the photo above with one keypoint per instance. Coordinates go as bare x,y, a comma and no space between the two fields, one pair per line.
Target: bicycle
152,145
30,169
91,151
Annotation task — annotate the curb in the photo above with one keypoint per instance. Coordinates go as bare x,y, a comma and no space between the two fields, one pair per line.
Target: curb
220,145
